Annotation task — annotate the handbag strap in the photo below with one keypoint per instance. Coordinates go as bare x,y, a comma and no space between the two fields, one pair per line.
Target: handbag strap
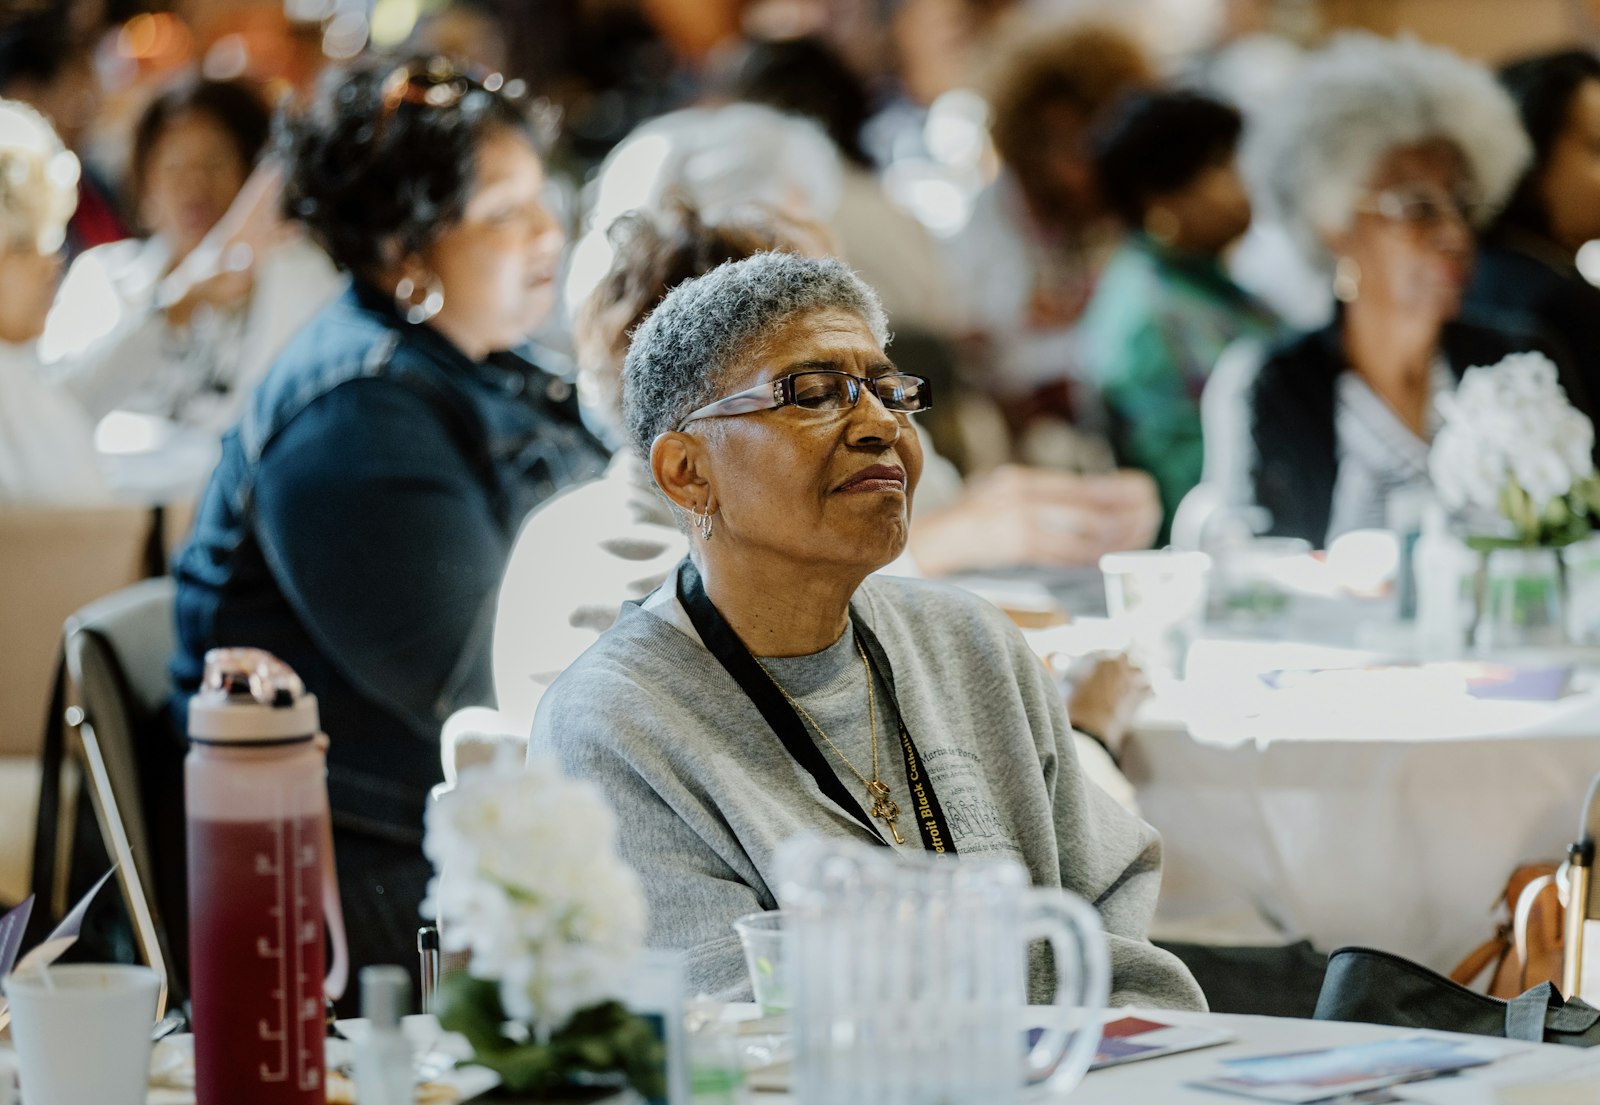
1574,1018
1489,952
1519,921
1525,1014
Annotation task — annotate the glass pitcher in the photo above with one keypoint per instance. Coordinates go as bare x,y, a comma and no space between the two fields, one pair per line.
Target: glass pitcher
909,978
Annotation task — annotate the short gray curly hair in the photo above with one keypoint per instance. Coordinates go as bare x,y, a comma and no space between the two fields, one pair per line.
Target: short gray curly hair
681,355
1310,154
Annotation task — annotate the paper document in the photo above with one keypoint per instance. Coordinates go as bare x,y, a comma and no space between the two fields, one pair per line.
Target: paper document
1334,1074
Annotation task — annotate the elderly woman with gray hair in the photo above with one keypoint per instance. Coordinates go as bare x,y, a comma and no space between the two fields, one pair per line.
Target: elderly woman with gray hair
1382,159
774,686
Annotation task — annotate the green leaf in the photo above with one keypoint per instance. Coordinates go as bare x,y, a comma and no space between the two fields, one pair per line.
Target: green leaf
1485,544
471,1006
601,1040
526,1068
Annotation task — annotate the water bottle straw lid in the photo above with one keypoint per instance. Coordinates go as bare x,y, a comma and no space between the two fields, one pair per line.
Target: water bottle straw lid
249,696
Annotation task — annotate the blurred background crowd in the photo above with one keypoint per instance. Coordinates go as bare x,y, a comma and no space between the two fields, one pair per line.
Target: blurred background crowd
1175,268
1054,200
1071,210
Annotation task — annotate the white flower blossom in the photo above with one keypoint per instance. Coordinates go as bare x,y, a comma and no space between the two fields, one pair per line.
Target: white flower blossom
1510,422
528,879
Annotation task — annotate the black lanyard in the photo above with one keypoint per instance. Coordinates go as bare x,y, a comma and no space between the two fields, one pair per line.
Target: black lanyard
732,654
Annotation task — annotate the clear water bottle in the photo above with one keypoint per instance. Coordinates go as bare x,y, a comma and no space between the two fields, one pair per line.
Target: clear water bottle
260,881
384,1074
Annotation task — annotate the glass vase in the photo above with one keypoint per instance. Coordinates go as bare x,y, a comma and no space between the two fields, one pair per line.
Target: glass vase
1523,603
1581,561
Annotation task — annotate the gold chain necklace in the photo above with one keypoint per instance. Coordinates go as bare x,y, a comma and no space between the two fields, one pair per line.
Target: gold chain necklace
884,808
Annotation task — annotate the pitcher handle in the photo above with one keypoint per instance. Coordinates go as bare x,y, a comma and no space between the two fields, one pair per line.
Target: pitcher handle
1083,983
338,977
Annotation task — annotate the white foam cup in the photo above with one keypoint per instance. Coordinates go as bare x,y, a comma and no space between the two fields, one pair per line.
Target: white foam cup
82,1033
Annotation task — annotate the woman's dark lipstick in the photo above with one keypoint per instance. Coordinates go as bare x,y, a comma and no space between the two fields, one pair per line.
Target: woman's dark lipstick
878,477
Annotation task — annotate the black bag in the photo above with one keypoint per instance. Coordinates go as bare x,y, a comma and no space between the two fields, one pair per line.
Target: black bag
1363,984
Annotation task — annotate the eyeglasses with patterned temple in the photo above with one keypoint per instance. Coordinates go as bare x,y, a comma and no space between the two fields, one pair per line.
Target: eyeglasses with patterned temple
1423,208
823,389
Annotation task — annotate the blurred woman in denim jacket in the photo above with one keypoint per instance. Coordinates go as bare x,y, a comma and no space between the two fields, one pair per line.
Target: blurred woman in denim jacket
365,505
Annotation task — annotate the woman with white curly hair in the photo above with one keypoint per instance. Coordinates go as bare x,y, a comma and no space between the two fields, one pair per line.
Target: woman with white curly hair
1381,160
46,442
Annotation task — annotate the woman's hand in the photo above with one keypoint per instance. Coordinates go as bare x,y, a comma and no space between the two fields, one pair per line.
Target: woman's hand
1033,516
1106,692
220,271
222,291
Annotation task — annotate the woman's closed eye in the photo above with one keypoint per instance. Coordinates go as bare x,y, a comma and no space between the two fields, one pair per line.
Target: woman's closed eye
821,392
899,392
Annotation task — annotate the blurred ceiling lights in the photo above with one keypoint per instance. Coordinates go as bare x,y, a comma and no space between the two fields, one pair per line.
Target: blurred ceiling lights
348,25
155,38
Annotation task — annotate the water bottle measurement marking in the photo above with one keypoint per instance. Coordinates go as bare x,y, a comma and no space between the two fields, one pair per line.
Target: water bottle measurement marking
289,914
271,866
309,1022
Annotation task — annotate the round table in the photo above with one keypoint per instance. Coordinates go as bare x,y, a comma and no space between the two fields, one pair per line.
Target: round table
1382,807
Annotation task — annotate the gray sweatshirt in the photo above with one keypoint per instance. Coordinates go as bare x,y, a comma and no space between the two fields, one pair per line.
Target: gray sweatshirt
704,791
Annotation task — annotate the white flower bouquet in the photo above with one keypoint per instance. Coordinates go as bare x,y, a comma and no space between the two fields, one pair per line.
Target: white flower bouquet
528,881
1514,447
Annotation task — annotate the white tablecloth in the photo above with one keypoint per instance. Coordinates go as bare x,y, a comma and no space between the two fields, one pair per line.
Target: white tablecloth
1384,809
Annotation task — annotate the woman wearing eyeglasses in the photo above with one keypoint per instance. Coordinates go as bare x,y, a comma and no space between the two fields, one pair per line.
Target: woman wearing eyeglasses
1381,159
774,686
364,508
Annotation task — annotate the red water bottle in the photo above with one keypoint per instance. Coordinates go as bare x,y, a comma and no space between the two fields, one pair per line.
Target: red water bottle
260,881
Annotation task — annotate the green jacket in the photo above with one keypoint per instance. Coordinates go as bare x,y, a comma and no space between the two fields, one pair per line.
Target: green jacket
1158,322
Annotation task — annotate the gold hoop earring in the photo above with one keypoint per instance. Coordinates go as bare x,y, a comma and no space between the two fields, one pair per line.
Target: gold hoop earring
417,311
1346,280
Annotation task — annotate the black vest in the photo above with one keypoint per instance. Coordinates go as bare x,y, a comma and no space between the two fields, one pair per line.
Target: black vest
1292,404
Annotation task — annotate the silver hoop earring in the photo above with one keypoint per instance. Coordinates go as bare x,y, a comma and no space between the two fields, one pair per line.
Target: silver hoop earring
702,521
417,311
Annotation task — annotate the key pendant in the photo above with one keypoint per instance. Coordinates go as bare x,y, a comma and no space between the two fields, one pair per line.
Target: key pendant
884,808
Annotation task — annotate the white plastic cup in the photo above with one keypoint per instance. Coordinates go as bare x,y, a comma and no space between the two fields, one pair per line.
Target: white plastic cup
1159,596
83,1034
